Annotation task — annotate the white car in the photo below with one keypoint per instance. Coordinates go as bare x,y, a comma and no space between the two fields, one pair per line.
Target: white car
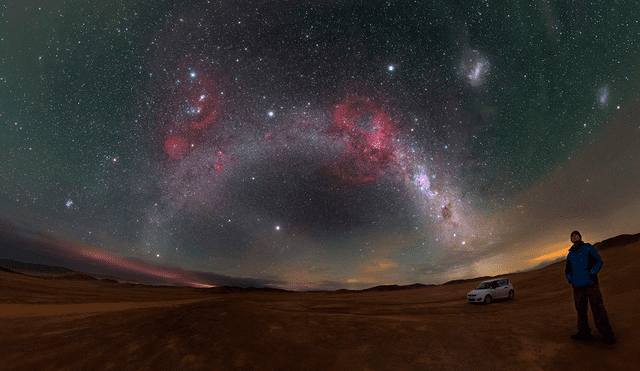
488,291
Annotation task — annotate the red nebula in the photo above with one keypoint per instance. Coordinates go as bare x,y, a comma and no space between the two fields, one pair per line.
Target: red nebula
367,131
446,212
218,166
199,94
175,147
193,106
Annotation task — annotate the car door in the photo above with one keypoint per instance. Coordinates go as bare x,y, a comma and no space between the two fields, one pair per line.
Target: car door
504,289
499,291
495,292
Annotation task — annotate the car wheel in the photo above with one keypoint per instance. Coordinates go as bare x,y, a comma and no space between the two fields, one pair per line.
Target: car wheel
511,294
488,299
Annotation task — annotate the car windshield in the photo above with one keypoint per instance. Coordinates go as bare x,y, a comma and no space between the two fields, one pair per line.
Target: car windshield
484,285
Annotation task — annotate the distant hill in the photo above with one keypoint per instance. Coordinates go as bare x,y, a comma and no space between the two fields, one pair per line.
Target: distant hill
78,277
8,270
49,271
237,289
32,269
453,282
17,267
623,239
380,288
397,287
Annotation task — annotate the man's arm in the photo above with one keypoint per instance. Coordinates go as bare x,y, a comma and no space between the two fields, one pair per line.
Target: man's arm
568,272
597,261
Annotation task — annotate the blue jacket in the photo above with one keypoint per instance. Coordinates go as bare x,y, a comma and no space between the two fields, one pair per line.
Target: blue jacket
583,265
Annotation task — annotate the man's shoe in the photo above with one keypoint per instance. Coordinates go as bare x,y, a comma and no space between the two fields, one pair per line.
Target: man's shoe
609,339
584,336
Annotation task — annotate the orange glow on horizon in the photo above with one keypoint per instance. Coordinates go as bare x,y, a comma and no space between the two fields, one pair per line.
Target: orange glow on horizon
553,252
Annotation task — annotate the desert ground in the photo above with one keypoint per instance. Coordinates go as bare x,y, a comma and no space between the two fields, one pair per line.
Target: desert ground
53,324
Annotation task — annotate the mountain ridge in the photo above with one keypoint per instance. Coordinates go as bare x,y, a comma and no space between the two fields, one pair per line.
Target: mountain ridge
56,272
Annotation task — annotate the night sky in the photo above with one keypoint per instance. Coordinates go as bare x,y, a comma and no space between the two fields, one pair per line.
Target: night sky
317,144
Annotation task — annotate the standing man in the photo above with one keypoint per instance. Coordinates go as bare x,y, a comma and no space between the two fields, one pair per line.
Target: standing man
583,264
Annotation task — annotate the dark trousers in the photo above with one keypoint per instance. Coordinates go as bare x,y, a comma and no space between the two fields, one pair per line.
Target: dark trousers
591,294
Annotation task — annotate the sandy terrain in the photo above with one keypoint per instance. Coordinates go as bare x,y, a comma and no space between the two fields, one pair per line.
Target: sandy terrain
66,325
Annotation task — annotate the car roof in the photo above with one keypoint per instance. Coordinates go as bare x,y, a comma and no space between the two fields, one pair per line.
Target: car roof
495,279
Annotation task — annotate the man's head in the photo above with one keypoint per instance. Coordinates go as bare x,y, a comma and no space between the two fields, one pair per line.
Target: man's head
576,237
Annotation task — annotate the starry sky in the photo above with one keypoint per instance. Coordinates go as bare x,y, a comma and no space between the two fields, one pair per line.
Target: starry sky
314,145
